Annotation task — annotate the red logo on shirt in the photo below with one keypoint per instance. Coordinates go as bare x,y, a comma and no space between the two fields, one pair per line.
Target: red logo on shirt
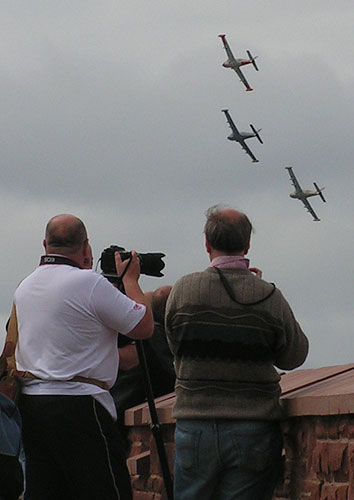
137,307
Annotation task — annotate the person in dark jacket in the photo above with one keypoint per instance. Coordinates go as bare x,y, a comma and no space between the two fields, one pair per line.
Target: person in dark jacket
128,390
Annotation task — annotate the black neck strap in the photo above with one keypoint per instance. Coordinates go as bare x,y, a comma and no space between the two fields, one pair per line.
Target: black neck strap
57,259
231,294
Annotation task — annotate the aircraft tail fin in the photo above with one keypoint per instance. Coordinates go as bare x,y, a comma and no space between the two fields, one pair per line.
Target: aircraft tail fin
252,59
256,134
223,38
319,192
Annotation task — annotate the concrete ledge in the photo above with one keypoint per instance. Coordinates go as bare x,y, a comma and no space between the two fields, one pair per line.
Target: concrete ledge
140,415
316,406
322,391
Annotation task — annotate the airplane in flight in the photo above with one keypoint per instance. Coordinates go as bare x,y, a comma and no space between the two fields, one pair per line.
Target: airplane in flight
303,194
241,137
235,64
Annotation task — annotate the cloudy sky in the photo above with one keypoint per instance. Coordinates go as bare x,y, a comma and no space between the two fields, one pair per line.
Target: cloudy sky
111,110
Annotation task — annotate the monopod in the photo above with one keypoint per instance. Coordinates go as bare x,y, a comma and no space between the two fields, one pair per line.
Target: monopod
154,425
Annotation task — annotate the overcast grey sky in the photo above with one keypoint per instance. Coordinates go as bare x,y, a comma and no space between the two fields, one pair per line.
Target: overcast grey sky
112,111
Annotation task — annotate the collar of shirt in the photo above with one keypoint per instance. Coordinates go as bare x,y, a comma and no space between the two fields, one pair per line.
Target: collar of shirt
230,261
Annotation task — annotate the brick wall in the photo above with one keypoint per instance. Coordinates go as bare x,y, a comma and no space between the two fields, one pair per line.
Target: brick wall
144,465
319,460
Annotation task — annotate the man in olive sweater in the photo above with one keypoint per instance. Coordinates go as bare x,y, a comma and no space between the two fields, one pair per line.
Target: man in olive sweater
228,330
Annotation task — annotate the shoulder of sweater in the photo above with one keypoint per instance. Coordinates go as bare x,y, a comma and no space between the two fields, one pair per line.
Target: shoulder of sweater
229,272
189,277
248,278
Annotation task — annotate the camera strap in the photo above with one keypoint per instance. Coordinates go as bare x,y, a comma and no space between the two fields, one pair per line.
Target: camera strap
57,259
78,378
231,294
120,278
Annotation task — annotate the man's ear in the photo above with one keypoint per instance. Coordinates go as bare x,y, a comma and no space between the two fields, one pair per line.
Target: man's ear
87,257
248,246
85,249
45,244
207,245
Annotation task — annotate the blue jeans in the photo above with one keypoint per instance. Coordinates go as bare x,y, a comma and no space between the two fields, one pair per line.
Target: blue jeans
226,459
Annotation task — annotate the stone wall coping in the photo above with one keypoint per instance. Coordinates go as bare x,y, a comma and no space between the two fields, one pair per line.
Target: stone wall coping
321,391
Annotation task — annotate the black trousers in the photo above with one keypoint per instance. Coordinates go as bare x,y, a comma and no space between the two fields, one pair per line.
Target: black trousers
73,450
11,478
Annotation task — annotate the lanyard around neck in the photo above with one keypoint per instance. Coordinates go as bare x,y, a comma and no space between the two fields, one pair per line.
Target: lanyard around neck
231,294
57,259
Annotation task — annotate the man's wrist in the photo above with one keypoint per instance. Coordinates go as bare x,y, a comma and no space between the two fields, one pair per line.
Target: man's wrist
130,280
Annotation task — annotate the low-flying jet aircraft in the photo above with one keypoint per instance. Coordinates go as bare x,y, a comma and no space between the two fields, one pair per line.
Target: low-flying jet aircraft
303,194
241,137
235,64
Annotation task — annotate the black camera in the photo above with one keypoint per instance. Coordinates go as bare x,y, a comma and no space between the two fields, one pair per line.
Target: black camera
151,264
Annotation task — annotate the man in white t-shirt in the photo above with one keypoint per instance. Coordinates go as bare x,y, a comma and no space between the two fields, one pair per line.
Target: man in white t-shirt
68,319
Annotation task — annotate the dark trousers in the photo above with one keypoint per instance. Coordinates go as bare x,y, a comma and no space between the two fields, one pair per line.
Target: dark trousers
73,450
11,478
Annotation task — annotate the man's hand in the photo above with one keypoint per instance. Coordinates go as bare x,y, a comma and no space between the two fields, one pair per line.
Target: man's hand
128,357
256,271
132,266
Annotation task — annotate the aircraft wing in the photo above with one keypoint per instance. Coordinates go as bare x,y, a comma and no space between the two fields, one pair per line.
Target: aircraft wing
231,122
294,180
227,48
310,209
248,151
242,78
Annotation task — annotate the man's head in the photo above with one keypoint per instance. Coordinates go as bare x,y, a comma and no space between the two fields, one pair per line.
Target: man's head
158,303
227,231
66,235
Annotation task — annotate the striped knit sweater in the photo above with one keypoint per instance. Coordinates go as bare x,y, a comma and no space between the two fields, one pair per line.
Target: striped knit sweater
226,353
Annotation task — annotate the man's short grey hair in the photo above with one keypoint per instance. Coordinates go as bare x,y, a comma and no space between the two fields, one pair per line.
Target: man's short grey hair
225,233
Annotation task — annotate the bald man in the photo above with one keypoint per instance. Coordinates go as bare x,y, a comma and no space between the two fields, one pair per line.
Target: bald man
228,330
68,319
